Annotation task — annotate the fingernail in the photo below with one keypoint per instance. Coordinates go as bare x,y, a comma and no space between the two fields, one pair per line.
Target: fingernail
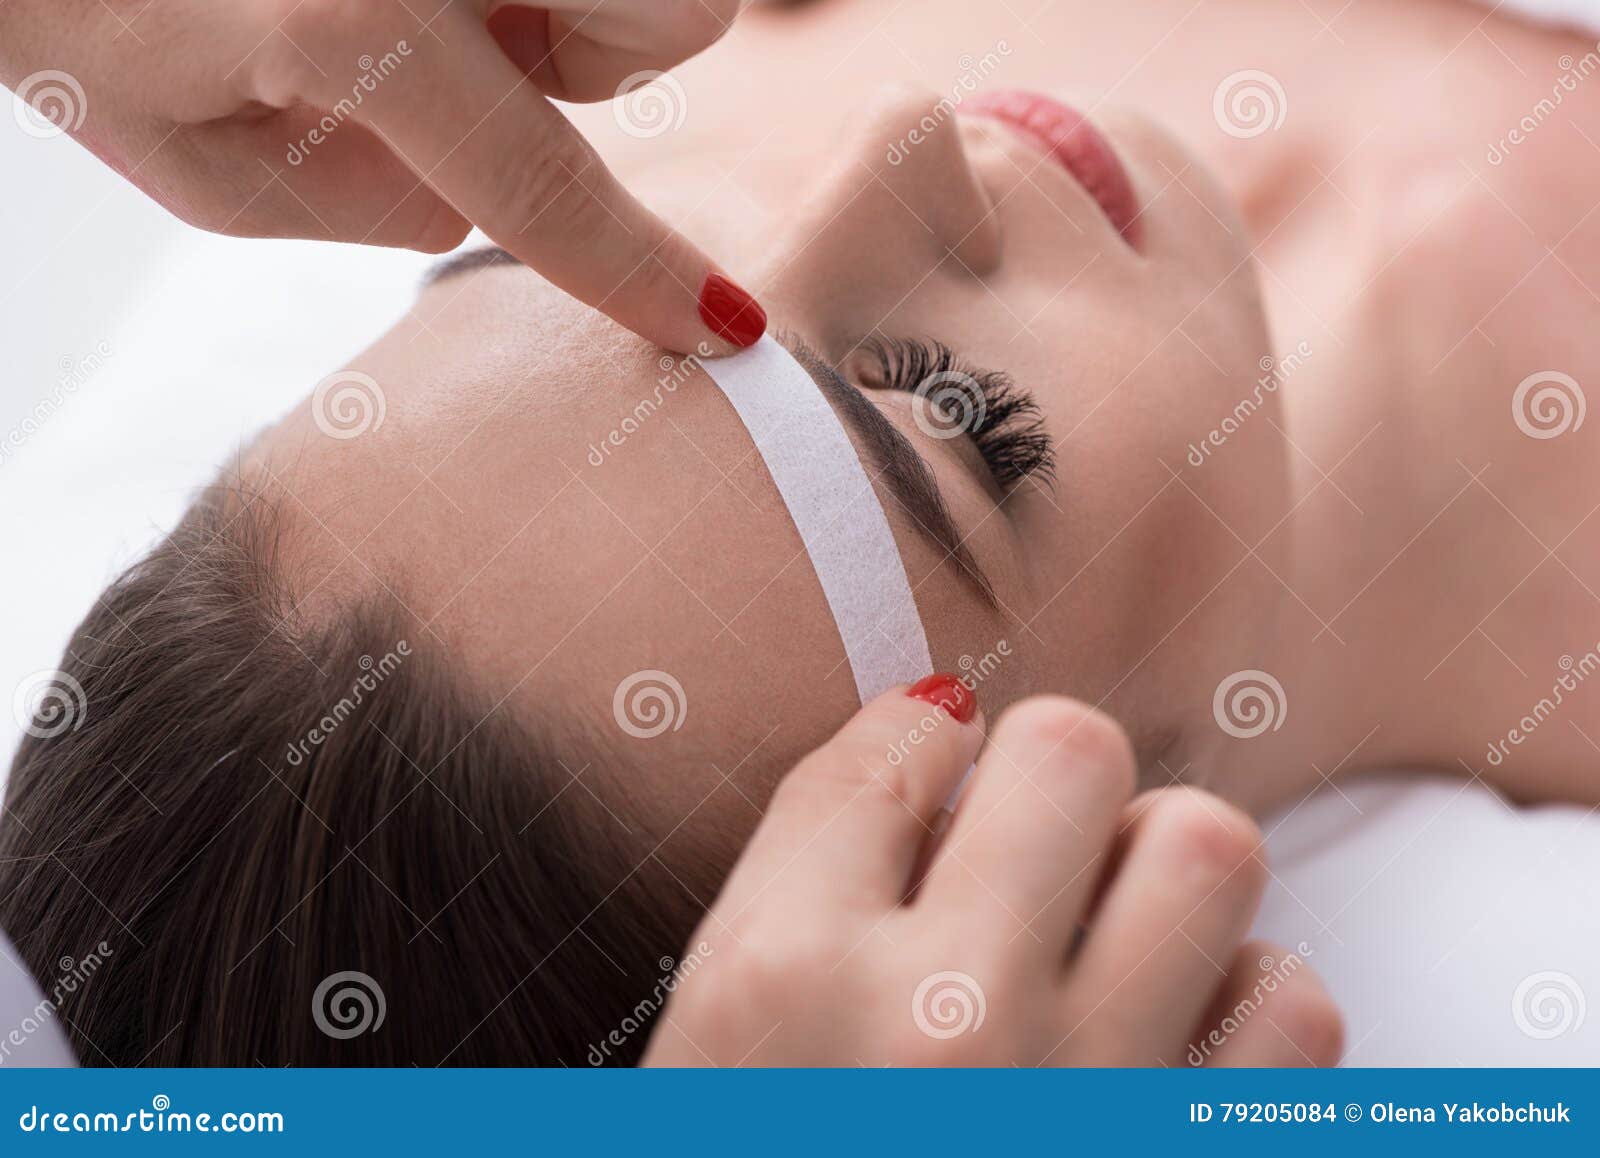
730,312
945,691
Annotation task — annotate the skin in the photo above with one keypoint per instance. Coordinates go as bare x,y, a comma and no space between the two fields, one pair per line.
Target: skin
1380,535
1409,605
1438,563
848,829
556,562
382,123
559,578
1394,602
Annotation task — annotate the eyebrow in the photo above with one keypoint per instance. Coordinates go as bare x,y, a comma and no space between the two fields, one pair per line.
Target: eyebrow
897,461
465,261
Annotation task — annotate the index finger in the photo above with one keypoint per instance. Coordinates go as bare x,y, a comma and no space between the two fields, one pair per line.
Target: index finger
583,50
471,125
848,824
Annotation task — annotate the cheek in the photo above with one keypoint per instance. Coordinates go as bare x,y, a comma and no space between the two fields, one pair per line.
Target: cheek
1224,440
1144,553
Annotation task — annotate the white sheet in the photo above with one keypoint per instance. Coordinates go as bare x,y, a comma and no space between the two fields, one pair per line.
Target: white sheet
1575,13
1452,928
196,343
30,1033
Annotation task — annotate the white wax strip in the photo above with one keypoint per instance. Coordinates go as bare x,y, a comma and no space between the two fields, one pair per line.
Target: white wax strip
836,511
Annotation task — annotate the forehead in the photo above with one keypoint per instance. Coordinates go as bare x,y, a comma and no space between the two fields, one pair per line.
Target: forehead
581,521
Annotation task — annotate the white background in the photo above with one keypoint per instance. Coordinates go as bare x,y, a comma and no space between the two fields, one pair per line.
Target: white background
205,340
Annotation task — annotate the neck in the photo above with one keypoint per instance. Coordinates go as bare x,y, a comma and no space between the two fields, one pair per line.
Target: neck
1365,556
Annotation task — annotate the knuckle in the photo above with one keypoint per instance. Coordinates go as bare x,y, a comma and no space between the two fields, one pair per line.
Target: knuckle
909,1046
1210,834
440,231
883,754
1101,1034
317,35
853,770
555,189
210,208
776,961
322,20
951,1016
693,25
1309,1017
1093,744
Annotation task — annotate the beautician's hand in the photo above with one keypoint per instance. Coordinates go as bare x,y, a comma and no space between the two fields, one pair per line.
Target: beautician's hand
390,123
814,956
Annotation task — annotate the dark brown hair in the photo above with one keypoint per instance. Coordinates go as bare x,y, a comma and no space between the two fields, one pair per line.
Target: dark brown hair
249,810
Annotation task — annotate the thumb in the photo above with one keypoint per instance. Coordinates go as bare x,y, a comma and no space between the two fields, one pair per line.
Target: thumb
849,823
467,121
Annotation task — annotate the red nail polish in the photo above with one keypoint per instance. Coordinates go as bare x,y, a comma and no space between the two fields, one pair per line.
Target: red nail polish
944,690
730,312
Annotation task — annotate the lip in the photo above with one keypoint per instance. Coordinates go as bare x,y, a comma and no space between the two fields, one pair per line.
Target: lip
1067,137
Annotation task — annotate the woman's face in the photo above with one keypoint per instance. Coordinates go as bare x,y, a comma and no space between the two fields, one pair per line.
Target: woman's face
565,507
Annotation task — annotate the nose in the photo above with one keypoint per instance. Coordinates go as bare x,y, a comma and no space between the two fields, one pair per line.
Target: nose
898,205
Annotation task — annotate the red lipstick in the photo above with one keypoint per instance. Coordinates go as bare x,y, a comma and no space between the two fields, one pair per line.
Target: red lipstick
1067,137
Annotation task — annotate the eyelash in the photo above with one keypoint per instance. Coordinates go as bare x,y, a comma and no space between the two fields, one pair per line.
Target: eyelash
1007,427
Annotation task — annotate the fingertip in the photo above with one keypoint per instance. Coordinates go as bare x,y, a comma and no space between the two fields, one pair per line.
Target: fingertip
731,312
1074,735
443,231
901,720
947,692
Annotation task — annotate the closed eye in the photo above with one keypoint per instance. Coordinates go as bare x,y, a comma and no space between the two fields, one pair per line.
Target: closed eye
1002,420
897,462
